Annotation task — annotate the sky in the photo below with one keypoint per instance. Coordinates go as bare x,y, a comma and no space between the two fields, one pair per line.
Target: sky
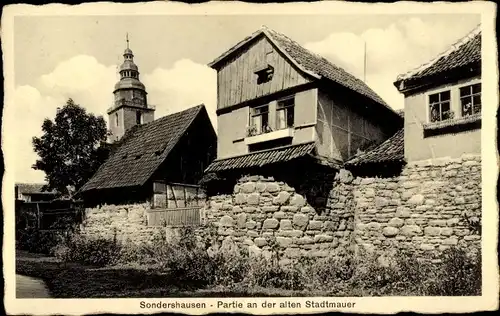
61,57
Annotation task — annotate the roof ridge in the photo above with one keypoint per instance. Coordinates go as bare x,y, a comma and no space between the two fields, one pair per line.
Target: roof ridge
332,64
452,48
199,106
301,46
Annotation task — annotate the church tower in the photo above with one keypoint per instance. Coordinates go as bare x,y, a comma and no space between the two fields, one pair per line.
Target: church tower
130,104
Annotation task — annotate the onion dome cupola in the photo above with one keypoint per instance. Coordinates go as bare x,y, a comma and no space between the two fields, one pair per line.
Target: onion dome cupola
130,102
129,77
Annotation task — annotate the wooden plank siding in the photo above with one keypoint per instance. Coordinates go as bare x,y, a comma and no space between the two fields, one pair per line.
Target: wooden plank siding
181,217
237,81
344,130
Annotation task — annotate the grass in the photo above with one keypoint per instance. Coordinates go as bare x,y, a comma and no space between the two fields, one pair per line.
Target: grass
74,280
184,267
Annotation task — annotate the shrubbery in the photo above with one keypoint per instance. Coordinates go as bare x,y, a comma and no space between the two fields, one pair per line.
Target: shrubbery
38,241
196,262
86,250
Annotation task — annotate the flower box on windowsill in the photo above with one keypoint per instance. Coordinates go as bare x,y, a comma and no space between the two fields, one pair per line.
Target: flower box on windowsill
453,125
281,133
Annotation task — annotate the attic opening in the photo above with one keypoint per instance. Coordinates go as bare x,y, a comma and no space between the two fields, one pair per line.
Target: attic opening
264,73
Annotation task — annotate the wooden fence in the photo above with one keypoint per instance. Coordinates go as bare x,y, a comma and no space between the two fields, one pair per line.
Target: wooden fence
180,217
48,215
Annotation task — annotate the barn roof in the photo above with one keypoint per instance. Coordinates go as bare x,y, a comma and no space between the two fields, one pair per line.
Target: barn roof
306,61
142,150
262,158
463,53
392,150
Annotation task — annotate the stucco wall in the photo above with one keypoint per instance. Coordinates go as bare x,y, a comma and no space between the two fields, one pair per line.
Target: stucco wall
231,130
117,131
232,126
417,113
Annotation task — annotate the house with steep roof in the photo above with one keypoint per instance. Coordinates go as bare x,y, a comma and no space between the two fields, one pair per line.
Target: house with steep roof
33,192
279,103
442,110
148,153
173,149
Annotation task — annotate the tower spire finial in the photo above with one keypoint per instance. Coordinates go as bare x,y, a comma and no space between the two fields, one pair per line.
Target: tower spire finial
127,40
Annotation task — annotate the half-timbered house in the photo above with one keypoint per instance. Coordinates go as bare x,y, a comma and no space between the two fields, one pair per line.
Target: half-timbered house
279,104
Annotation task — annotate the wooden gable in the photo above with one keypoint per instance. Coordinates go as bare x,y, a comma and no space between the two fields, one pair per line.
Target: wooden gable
238,78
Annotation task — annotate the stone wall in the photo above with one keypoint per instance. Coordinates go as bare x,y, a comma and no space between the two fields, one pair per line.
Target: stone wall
433,205
264,213
124,223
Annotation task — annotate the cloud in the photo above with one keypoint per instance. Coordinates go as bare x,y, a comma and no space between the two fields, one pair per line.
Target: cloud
390,51
184,85
90,84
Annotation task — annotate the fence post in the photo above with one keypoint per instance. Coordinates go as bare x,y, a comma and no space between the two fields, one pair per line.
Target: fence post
38,215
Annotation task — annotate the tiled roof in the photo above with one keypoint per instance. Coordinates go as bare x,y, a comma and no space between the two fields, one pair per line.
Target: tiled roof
142,150
32,188
262,158
309,62
392,150
466,51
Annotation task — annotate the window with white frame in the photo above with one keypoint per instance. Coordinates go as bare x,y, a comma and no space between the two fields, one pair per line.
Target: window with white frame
285,113
439,106
259,120
470,99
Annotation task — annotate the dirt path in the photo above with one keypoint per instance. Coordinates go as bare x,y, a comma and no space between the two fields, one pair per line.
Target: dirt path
28,287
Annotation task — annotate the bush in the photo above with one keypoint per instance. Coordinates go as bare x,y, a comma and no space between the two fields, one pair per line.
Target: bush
231,266
267,273
37,241
87,250
187,260
452,273
460,274
331,273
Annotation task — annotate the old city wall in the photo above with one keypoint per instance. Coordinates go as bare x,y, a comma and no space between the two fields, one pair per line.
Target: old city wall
431,206
265,214
123,223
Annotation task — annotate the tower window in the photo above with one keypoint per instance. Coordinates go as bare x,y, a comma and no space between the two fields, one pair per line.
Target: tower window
116,119
138,117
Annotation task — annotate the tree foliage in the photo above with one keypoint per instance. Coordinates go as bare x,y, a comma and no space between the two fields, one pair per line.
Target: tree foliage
72,147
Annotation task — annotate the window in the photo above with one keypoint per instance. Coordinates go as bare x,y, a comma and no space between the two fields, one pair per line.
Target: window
138,117
285,113
439,106
470,99
116,119
259,120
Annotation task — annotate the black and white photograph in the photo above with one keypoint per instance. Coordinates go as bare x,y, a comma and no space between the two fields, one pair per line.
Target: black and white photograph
219,157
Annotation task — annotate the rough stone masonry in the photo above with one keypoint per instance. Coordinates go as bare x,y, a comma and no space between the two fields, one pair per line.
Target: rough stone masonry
429,207
432,205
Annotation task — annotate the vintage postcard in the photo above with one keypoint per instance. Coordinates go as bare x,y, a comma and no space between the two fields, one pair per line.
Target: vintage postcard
235,157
